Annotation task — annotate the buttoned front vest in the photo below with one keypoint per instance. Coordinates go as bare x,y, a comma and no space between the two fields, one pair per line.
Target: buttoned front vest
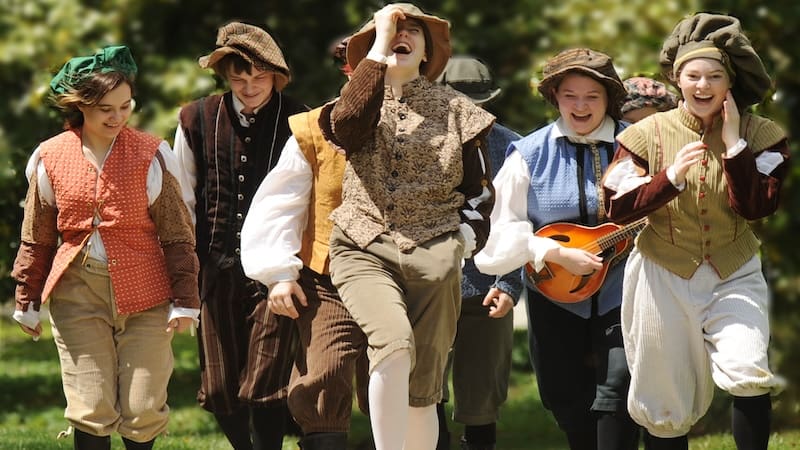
404,182
698,225
327,167
231,162
118,197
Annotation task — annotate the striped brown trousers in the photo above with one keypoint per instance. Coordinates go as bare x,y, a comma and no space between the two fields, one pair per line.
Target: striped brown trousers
246,353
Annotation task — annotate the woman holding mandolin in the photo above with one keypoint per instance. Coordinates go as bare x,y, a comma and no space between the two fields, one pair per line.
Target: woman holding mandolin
550,184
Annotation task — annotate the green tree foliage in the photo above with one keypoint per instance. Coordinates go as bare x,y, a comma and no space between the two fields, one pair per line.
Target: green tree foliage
513,37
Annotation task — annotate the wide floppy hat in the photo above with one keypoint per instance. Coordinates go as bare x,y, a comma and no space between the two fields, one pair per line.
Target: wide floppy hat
588,62
699,35
438,39
253,44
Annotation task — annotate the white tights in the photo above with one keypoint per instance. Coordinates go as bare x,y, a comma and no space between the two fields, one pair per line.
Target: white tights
395,425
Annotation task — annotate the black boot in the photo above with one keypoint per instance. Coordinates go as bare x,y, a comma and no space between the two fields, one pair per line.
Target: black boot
479,437
133,445
324,441
656,443
269,427
470,446
617,431
236,427
86,441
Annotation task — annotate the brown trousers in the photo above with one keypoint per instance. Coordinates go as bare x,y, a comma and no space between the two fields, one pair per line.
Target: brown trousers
332,351
246,353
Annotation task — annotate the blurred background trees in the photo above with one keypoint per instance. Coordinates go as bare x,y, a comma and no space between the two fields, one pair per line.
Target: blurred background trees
513,37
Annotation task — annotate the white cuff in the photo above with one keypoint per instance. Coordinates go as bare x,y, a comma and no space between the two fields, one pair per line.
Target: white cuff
470,242
377,56
737,148
29,318
178,311
673,179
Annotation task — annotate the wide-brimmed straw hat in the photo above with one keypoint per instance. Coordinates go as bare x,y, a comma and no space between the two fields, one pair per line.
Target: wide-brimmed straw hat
470,76
587,62
437,41
719,37
253,44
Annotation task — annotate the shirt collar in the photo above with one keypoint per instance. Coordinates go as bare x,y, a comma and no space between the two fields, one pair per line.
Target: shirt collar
603,133
238,106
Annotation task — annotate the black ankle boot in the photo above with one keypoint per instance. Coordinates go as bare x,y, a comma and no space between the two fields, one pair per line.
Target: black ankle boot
470,446
86,441
133,445
324,441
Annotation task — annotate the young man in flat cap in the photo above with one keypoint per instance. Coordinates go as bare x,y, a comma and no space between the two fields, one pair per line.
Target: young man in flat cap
226,144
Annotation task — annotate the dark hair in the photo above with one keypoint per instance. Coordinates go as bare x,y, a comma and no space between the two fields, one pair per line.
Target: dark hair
428,42
232,61
88,92
240,64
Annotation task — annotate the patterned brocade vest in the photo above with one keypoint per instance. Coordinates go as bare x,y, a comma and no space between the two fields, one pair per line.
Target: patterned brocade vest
118,198
404,181
327,166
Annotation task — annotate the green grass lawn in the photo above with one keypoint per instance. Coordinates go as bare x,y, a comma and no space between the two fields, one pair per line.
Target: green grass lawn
32,404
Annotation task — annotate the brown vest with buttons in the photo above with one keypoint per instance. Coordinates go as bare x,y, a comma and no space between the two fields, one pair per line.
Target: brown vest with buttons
231,162
118,197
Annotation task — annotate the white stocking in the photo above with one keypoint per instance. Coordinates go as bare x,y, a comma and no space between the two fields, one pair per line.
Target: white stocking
423,428
388,400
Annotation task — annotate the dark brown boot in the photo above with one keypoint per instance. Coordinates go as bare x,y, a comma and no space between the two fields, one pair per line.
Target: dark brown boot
324,441
86,441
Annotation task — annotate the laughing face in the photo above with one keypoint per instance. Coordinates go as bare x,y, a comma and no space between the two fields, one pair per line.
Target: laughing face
408,45
582,102
704,84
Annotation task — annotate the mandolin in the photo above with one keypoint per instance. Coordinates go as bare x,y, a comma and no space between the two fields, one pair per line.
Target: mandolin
606,240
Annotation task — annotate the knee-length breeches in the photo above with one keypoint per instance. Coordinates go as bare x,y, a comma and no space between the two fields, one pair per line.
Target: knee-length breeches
114,368
330,345
403,300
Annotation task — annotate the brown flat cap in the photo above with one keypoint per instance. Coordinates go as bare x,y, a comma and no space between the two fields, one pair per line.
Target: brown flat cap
253,44
587,62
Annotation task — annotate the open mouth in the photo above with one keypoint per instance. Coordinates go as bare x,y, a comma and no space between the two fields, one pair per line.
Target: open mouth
581,118
402,48
703,99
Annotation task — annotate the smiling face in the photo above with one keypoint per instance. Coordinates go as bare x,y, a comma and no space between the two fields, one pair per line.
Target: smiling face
582,102
704,83
103,121
408,45
252,89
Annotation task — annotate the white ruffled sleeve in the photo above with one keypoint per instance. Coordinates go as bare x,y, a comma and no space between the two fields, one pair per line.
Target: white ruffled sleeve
273,229
511,242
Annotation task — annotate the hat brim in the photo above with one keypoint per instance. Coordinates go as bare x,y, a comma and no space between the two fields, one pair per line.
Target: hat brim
614,88
439,29
210,61
480,98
